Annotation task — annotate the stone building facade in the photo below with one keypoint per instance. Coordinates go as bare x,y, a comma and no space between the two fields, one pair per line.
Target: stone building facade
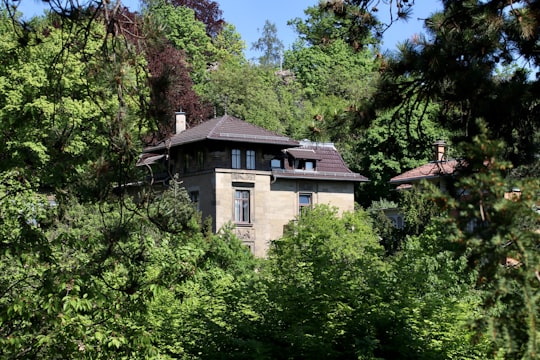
255,179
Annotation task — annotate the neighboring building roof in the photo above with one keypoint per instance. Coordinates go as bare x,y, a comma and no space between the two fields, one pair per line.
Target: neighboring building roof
330,164
430,170
227,128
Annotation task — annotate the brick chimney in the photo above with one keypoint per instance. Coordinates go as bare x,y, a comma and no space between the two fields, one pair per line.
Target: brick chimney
440,150
180,122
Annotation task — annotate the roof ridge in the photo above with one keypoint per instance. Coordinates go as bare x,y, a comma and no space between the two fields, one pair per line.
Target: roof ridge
217,125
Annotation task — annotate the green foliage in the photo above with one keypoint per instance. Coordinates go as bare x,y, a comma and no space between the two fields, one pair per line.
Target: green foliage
186,33
94,280
419,207
229,44
323,281
394,143
338,83
270,46
171,210
456,67
333,69
434,300
68,110
257,95
499,235
328,291
350,21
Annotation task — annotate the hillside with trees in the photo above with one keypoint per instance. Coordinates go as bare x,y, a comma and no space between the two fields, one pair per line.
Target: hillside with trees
98,264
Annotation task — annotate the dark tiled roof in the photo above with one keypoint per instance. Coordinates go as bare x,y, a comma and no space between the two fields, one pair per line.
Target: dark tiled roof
227,128
330,164
303,153
427,171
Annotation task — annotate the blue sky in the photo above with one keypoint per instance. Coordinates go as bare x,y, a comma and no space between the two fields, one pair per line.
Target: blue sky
249,16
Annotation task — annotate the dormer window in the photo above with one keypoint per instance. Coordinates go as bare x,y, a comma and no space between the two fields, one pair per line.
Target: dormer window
307,165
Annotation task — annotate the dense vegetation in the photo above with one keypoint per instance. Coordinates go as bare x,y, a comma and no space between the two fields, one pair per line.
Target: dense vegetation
93,267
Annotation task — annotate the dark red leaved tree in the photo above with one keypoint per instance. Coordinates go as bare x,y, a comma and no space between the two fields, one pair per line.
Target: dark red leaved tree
171,86
206,11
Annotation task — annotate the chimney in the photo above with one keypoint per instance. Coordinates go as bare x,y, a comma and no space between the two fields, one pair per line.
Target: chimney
440,150
180,122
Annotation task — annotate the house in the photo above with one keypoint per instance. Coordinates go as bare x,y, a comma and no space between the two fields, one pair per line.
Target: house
437,171
255,179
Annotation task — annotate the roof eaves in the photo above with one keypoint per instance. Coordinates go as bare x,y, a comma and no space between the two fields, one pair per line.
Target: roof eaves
415,178
319,175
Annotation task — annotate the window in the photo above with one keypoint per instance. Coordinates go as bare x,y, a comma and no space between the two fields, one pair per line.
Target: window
250,159
304,201
241,206
236,159
200,159
275,164
397,221
194,196
308,165
187,162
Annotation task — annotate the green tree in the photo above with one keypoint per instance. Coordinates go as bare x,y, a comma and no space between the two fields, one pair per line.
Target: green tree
229,45
456,66
499,236
269,45
204,316
70,111
186,33
78,275
432,304
324,279
337,79
257,95
394,142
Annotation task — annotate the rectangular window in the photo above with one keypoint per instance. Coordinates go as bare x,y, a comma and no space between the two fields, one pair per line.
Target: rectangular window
241,206
309,166
304,201
187,162
236,159
250,159
200,159
275,164
194,196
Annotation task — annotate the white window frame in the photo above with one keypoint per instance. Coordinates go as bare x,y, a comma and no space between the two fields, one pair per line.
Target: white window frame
242,206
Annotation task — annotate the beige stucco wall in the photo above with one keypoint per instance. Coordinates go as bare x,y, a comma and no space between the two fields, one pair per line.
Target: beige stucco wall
257,234
273,202
337,193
